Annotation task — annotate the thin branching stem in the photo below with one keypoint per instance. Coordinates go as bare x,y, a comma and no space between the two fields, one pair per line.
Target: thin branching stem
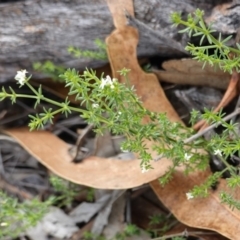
200,134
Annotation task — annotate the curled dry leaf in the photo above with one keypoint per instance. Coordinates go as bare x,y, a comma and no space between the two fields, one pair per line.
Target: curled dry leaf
207,213
181,229
122,53
94,171
190,71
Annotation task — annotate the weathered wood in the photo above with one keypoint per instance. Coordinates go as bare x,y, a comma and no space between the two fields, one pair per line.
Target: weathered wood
39,30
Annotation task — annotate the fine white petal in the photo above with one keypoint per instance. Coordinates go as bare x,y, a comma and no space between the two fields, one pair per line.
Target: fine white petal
3,224
187,156
189,196
95,105
21,76
124,150
217,152
107,82
108,78
144,169
103,83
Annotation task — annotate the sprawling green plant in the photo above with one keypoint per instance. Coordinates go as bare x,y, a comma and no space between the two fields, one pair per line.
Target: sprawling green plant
100,54
109,104
216,53
16,217
52,70
220,51
68,191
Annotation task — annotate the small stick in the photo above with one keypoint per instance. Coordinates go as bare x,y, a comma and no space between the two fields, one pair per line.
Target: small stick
81,139
199,134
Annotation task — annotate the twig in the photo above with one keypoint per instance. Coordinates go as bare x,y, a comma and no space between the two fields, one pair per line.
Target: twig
2,114
7,138
80,141
15,190
184,234
128,207
199,134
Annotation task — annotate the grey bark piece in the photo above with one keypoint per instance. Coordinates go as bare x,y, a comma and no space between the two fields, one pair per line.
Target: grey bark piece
55,223
39,30
102,218
85,211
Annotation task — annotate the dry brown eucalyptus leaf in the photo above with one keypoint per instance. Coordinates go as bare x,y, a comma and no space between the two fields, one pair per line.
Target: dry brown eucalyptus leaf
94,171
206,213
181,229
190,71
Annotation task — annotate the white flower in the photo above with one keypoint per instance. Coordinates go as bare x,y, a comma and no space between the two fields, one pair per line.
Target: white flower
187,156
189,196
107,82
217,152
21,77
144,169
3,224
124,150
95,105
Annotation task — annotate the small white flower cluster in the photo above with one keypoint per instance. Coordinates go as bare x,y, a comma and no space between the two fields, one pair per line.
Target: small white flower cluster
3,224
124,150
144,168
95,105
107,82
218,152
189,196
21,77
118,115
187,156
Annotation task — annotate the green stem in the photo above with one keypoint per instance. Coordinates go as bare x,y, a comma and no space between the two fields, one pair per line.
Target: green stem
79,110
32,89
228,166
214,40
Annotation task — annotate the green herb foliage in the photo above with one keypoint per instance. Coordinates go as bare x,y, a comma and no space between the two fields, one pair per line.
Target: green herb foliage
109,104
